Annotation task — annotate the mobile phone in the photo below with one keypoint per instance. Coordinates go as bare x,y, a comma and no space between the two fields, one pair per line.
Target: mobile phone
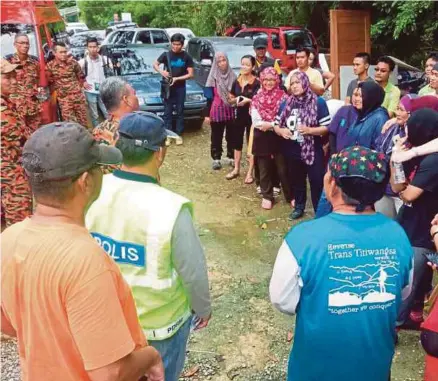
432,258
239,99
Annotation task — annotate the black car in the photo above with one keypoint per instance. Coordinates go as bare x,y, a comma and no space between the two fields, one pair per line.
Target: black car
78,42
203,49
135,64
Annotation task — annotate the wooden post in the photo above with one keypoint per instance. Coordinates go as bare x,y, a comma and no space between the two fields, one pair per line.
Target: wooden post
349,34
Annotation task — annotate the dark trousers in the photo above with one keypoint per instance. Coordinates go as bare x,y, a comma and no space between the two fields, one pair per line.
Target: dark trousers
269,165
298,173
175,101
422,280
217,135
274,176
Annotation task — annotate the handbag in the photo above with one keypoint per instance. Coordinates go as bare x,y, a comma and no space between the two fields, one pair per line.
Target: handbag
166,82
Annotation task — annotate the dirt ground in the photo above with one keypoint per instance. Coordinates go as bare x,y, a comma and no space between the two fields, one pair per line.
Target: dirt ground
247,338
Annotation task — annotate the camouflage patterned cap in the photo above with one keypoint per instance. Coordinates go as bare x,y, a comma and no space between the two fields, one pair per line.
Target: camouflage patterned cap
360,162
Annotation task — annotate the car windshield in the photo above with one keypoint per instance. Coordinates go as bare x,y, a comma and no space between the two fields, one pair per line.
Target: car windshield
8,32
236,52
296,38
134,60
80,40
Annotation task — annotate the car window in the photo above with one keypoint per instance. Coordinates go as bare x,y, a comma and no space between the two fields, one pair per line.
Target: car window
57,32
194,50
275,38
125,38
8,32
206,51
296,38
159,37
244,34
136,59
143,37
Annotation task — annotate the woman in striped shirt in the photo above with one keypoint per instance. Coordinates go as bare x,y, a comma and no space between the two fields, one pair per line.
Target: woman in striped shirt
222,115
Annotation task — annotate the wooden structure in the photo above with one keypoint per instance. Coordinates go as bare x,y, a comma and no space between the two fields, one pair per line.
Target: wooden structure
349,34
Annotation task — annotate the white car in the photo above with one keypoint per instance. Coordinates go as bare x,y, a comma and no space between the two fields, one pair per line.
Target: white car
75,27
187,33
137,36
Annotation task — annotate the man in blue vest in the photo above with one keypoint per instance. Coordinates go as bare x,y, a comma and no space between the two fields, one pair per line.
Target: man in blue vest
345,275
149,232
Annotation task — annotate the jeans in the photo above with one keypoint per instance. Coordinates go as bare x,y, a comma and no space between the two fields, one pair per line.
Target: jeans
217,135
173,351
269,169
298,173
420,286
324,206
95,104
176,99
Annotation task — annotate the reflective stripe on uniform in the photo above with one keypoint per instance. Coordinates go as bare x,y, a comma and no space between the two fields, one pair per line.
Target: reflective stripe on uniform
170,330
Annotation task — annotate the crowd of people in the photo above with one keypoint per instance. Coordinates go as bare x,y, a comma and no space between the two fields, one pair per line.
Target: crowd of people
119,304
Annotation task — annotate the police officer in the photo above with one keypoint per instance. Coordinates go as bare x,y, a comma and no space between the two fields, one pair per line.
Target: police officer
67,78
16,199
28,74
149,232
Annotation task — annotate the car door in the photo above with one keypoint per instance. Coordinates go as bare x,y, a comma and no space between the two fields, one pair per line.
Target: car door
194,50
206,56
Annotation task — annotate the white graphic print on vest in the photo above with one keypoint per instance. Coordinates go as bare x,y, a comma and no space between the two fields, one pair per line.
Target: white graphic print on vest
364,283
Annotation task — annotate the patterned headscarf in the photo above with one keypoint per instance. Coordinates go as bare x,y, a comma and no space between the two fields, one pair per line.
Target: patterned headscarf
267,102
361,173
222,80
306,104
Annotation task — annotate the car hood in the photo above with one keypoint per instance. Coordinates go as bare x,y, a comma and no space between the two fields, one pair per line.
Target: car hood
148,86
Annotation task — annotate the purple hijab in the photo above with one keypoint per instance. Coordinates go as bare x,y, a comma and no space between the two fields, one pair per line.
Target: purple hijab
306,104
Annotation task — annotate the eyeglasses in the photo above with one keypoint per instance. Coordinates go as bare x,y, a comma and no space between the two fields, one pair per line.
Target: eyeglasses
22,43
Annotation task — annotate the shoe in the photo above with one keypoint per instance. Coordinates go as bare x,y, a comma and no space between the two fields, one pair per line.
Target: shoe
259,190
276,191
266,204
167,142
179,141
296,214
216,165
232,175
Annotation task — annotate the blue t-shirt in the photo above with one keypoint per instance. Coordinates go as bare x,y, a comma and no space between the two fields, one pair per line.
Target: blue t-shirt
353,269
341,122
291,147
366,130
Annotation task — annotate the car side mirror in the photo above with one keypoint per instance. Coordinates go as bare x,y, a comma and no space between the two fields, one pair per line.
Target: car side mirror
206,62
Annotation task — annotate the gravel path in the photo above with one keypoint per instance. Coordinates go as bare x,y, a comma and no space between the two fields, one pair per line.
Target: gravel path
10,363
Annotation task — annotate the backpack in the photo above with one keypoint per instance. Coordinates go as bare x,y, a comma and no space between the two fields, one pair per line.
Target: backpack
107,71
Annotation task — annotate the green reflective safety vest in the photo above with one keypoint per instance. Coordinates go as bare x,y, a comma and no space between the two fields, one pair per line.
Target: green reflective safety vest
133,220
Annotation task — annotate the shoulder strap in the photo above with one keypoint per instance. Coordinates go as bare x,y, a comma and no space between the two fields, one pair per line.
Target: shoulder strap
169,67
86,66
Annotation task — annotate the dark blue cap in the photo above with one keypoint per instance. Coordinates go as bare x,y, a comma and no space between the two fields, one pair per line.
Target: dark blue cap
145,129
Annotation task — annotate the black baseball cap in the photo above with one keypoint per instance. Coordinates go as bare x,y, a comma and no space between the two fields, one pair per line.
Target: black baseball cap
260,43
63,150
145,129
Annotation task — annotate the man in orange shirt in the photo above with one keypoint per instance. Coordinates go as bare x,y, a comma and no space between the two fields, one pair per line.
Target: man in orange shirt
62,295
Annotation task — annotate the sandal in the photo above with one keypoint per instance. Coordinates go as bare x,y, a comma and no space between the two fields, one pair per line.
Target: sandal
249,180
232,175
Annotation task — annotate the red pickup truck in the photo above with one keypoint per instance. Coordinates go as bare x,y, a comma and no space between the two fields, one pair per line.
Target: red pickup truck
282,42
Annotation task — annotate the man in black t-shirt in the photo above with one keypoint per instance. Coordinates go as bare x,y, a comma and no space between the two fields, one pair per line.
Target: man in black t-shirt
176,72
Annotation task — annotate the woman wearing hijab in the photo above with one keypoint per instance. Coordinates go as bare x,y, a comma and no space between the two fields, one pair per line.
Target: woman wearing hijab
427,101
390,203
264,108
302,120
420,197
221,79
372,116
